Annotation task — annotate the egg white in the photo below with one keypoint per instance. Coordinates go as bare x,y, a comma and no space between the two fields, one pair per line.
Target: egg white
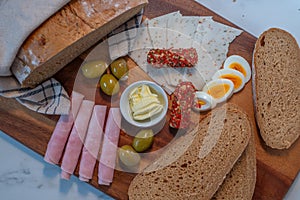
242,61
221,72
217,82
210,102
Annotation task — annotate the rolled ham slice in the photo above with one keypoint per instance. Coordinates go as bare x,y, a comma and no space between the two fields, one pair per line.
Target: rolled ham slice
92,143
76,139
109,148
62,131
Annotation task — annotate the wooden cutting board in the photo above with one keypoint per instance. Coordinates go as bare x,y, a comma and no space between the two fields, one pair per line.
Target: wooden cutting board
276,169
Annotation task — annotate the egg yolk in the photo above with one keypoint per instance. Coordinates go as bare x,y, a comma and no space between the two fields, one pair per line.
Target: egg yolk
218,91
199,103
237,81
238,67
202,103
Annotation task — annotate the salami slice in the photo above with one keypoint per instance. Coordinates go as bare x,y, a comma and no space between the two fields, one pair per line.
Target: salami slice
176,58
182,101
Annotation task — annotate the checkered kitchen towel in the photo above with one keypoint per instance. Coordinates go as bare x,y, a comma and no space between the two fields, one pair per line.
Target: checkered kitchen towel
50,97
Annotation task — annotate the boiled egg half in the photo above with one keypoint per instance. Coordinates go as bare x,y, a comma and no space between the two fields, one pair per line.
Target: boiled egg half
235,76
240,64
220,89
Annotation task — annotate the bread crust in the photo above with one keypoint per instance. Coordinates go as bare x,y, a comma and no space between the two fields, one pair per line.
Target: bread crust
276,91
193,176
68,33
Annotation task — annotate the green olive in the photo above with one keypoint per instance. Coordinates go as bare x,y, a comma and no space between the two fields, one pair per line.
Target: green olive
109,84
143,140
128,156
93,69
119,68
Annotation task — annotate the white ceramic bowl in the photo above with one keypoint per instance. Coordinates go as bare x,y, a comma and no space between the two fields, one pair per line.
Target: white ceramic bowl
126,111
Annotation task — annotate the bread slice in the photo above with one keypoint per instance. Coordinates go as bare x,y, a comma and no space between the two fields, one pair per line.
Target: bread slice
240,182
276,85
68,33
203,157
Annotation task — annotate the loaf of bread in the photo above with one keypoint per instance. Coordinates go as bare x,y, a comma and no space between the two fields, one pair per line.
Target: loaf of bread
198,168
240,182
276,85
68,33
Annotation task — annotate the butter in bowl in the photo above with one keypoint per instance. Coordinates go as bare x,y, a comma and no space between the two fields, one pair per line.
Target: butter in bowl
144,104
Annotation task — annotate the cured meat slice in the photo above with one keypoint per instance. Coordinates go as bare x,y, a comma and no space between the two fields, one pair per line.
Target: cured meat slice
92,143
76,139
109,148
173,57
62,131
182,101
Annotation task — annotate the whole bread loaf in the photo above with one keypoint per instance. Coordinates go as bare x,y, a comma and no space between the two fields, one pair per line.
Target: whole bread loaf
68,33
276,85
197,163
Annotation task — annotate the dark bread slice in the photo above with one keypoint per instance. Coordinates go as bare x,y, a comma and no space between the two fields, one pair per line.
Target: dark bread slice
240,182
196,164
276,85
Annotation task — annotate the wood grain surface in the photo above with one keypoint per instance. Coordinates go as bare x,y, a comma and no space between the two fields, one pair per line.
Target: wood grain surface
276,169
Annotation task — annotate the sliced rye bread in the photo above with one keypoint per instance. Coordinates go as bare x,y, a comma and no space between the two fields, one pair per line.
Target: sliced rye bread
197,170
240,182
276,87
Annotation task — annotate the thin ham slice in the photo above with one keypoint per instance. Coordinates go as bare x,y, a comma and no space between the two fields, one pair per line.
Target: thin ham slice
62,130
109,148
92,143
76,139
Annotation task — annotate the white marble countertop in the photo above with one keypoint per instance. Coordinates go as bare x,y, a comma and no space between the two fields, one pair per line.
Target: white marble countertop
25,175
256,16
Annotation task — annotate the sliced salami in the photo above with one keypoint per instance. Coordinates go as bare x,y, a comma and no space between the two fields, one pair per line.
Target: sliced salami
176,58
182,101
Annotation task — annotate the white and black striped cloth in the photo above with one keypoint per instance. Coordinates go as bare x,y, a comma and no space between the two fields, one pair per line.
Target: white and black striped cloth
50,97
121,39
